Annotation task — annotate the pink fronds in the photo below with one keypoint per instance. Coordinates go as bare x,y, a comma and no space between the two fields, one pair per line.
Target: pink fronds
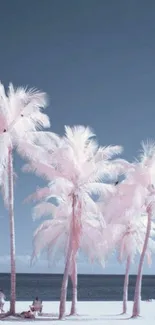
57,248
35,100
41,169
108,170
46,235
40,194
4,107
4,182
101,189
40,120
122,166
43,209
28,101
148,151
132,238
48,140
61,185
5,143
106,153
78,135
88,205
29,150
93,243
4,187
22,110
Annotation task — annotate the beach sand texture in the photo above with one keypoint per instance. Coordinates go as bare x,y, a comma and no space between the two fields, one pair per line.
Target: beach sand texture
91,313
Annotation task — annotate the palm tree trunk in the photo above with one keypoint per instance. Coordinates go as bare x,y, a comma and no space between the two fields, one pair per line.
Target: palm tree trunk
62,306
126,284
12,233
74,286
137,296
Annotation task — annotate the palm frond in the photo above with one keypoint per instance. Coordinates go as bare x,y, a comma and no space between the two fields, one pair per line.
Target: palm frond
105,153
48,232
148,150
43,209
30,151
79,133
48,140
99,188
41,169
61,185
40,194
4,109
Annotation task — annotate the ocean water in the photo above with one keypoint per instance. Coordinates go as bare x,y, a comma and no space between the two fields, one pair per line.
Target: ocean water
90,287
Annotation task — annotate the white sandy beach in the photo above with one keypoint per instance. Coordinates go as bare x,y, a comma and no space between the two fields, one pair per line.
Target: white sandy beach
91,313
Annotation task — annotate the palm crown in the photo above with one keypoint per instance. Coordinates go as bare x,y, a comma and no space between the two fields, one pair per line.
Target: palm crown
76,165
131,241
21,116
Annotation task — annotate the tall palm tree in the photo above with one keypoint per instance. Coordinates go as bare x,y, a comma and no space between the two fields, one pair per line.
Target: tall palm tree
77,168
20,114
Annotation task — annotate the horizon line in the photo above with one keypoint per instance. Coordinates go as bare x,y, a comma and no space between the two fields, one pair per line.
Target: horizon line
83,274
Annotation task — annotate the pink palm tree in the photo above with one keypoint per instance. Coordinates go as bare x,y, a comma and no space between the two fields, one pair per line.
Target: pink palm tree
56,232
144,173
129,245
20,114
134,197
77,167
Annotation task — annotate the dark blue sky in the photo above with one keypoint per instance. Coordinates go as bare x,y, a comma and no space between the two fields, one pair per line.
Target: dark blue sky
96,60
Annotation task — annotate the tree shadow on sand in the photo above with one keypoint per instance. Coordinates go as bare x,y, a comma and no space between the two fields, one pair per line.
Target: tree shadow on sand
20,318
46,317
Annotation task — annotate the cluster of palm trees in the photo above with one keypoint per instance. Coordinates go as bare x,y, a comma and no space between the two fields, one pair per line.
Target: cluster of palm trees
85,206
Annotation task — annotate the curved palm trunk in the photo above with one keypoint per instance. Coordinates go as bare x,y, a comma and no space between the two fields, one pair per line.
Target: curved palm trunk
137,296
12,233
71,256
126,284
62,306
74,286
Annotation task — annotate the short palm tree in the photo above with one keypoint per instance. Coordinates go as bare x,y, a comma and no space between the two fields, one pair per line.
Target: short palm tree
145,175
129,245
20,116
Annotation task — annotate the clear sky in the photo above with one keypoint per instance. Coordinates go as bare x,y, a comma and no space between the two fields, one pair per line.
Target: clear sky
96,60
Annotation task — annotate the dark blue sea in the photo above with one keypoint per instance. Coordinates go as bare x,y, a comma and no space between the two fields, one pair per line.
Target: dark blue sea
90,287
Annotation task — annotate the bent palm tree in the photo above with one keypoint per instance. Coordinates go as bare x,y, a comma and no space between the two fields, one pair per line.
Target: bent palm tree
77,167
20,113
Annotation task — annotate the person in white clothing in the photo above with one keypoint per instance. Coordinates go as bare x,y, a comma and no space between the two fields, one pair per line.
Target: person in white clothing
36,305
2,301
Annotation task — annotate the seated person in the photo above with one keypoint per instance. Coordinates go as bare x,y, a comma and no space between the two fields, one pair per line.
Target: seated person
2,300
27,314
36,305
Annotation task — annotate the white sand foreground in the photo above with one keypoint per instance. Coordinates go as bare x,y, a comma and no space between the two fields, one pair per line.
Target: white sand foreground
91,313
